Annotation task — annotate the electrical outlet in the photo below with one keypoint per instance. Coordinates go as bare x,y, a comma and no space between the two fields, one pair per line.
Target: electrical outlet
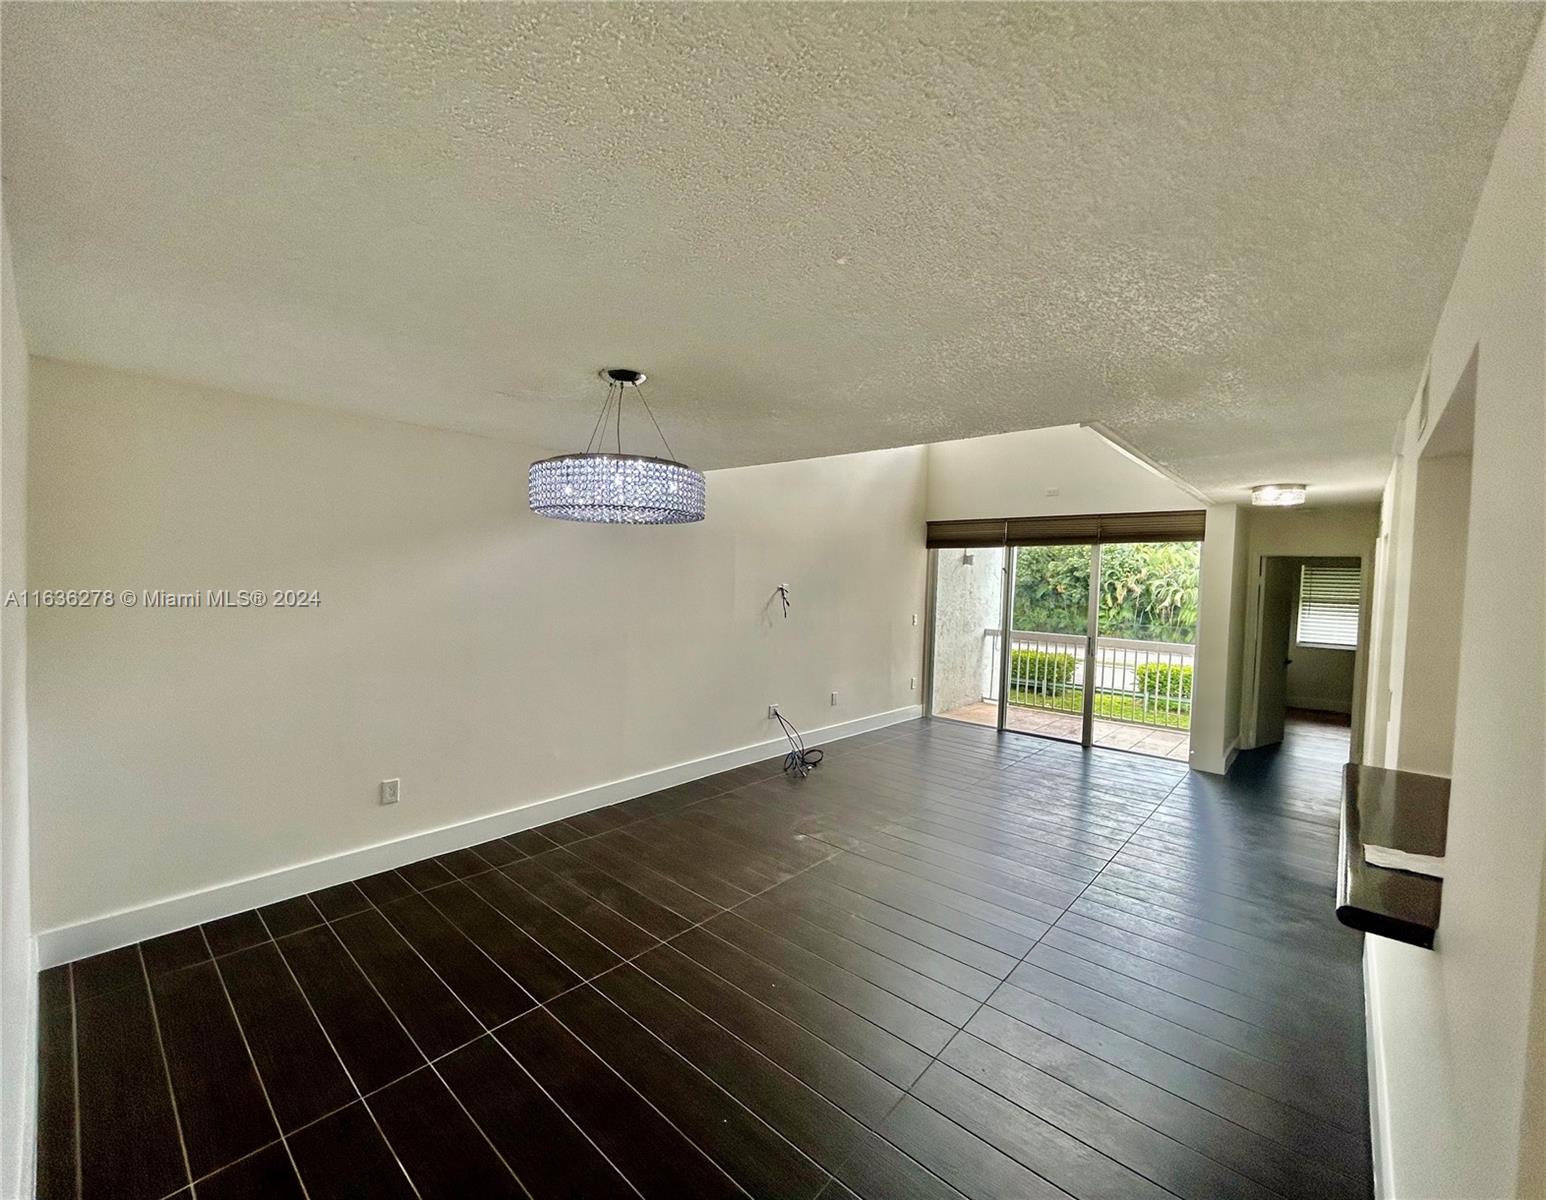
772,711
834,699
1054,491
912,683
391,790
915,618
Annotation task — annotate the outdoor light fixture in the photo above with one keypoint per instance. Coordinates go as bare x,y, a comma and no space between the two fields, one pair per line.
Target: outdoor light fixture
612,488
1277,495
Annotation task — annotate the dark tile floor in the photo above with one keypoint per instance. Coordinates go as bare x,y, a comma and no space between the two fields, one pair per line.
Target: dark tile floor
949,962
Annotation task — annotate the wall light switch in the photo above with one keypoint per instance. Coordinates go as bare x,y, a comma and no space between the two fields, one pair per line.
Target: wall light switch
390,790
834,699
912,683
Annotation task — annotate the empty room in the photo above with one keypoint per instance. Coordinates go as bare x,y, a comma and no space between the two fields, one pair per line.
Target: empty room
816,601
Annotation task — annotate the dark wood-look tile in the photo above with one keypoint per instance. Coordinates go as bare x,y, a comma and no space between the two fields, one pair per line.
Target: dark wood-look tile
290,916
266,1175
300,1072
430,1012
664,890
1051,1153
530,841
826,894
384,887
545,1149
174,950
960,1158
653,1156
107,972
1122,1138
878,1049
1139,1028
523,958
931,903
371,1043
498,853
647,913
810,1122
462,863
219,1100
129,1144
444,1153
849,988
235,932
884,972
745,1147
344,1157
341,900
845,1081
491,995
55,1163
582,954
426,873
608,926
678,864
877,1170
1251,1154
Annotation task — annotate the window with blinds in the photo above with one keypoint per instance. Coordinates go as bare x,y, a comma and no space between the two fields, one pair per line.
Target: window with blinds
1328,606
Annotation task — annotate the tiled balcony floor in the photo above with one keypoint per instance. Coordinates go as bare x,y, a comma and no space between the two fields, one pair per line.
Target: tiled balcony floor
1114,735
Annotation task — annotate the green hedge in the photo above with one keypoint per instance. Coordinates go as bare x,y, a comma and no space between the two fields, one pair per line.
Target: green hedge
1164,681
1040,670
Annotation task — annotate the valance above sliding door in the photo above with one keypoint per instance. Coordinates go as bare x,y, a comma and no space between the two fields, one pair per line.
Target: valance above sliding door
1185,525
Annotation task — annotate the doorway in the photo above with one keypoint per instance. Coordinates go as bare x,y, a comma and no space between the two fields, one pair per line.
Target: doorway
1095,641
1309,618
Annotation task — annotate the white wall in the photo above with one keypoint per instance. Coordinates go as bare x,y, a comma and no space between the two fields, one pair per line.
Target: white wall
18,991
1426,690
1010,474
1456,1034
488,657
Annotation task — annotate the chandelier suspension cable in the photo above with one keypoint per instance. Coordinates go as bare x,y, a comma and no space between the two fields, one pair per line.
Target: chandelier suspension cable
601,421
639,392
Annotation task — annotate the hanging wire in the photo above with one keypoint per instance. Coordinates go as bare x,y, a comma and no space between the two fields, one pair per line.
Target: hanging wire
639,392
620,419
601,421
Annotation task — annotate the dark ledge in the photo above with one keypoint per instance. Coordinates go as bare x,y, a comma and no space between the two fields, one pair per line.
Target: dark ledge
1406,812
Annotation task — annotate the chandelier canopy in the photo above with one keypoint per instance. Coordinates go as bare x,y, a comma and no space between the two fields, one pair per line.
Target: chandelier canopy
610,487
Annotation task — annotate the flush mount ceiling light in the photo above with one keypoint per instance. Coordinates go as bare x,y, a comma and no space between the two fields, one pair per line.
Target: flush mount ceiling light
1277,495
609,487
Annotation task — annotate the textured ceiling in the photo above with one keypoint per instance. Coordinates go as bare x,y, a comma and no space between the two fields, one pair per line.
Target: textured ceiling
1225,231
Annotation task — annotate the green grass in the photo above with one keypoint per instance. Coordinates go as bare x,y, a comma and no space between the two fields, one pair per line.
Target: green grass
1116,706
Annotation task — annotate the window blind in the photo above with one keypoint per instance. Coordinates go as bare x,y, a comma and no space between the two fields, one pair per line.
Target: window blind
1328,605
1186,525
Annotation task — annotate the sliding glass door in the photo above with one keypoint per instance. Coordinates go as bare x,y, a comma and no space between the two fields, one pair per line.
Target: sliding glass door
1049,640
1088,643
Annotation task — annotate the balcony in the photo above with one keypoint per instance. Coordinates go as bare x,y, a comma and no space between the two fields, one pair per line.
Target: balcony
1143,691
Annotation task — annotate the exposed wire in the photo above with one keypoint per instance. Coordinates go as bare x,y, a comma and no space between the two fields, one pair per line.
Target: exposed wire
799,760
783,596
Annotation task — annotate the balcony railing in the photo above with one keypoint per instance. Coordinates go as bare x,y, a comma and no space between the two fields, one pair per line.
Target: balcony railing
1136,683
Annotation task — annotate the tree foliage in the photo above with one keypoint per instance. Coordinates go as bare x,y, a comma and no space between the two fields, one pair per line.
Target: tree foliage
1148,591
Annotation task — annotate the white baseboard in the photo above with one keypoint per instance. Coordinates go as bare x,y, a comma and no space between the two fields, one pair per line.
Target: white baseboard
67,943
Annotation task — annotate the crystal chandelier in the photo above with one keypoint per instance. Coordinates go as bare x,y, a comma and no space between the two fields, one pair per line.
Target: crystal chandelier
613,488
